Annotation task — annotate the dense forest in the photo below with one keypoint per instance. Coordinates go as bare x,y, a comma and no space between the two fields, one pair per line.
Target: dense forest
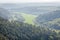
15,30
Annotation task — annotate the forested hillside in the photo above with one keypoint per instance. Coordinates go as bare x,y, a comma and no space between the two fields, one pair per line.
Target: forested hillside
48,16
23,31
51,19
4,13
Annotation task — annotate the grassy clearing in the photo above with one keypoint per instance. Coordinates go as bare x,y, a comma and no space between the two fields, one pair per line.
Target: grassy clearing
28,18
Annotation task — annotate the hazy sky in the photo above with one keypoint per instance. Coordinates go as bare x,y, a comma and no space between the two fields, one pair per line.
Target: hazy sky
27,1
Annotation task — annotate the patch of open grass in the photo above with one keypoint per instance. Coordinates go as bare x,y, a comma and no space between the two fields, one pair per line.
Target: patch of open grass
29,18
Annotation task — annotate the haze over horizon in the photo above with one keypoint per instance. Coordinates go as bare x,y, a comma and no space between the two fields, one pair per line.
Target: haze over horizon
29,1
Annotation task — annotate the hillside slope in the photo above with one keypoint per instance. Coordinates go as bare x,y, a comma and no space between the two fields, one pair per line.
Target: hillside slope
22,31
48,16
51,19
10,16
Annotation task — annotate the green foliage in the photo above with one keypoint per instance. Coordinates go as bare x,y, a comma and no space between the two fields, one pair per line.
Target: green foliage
23,31
2,37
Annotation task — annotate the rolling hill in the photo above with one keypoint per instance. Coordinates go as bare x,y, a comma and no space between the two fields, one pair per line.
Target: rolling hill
51,19
10,16
31,8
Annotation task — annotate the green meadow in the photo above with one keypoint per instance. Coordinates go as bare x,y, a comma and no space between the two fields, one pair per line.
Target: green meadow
29,18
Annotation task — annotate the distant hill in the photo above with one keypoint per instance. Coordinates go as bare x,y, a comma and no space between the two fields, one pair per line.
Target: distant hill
48,16
31,8
4,13
50,19
10,16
